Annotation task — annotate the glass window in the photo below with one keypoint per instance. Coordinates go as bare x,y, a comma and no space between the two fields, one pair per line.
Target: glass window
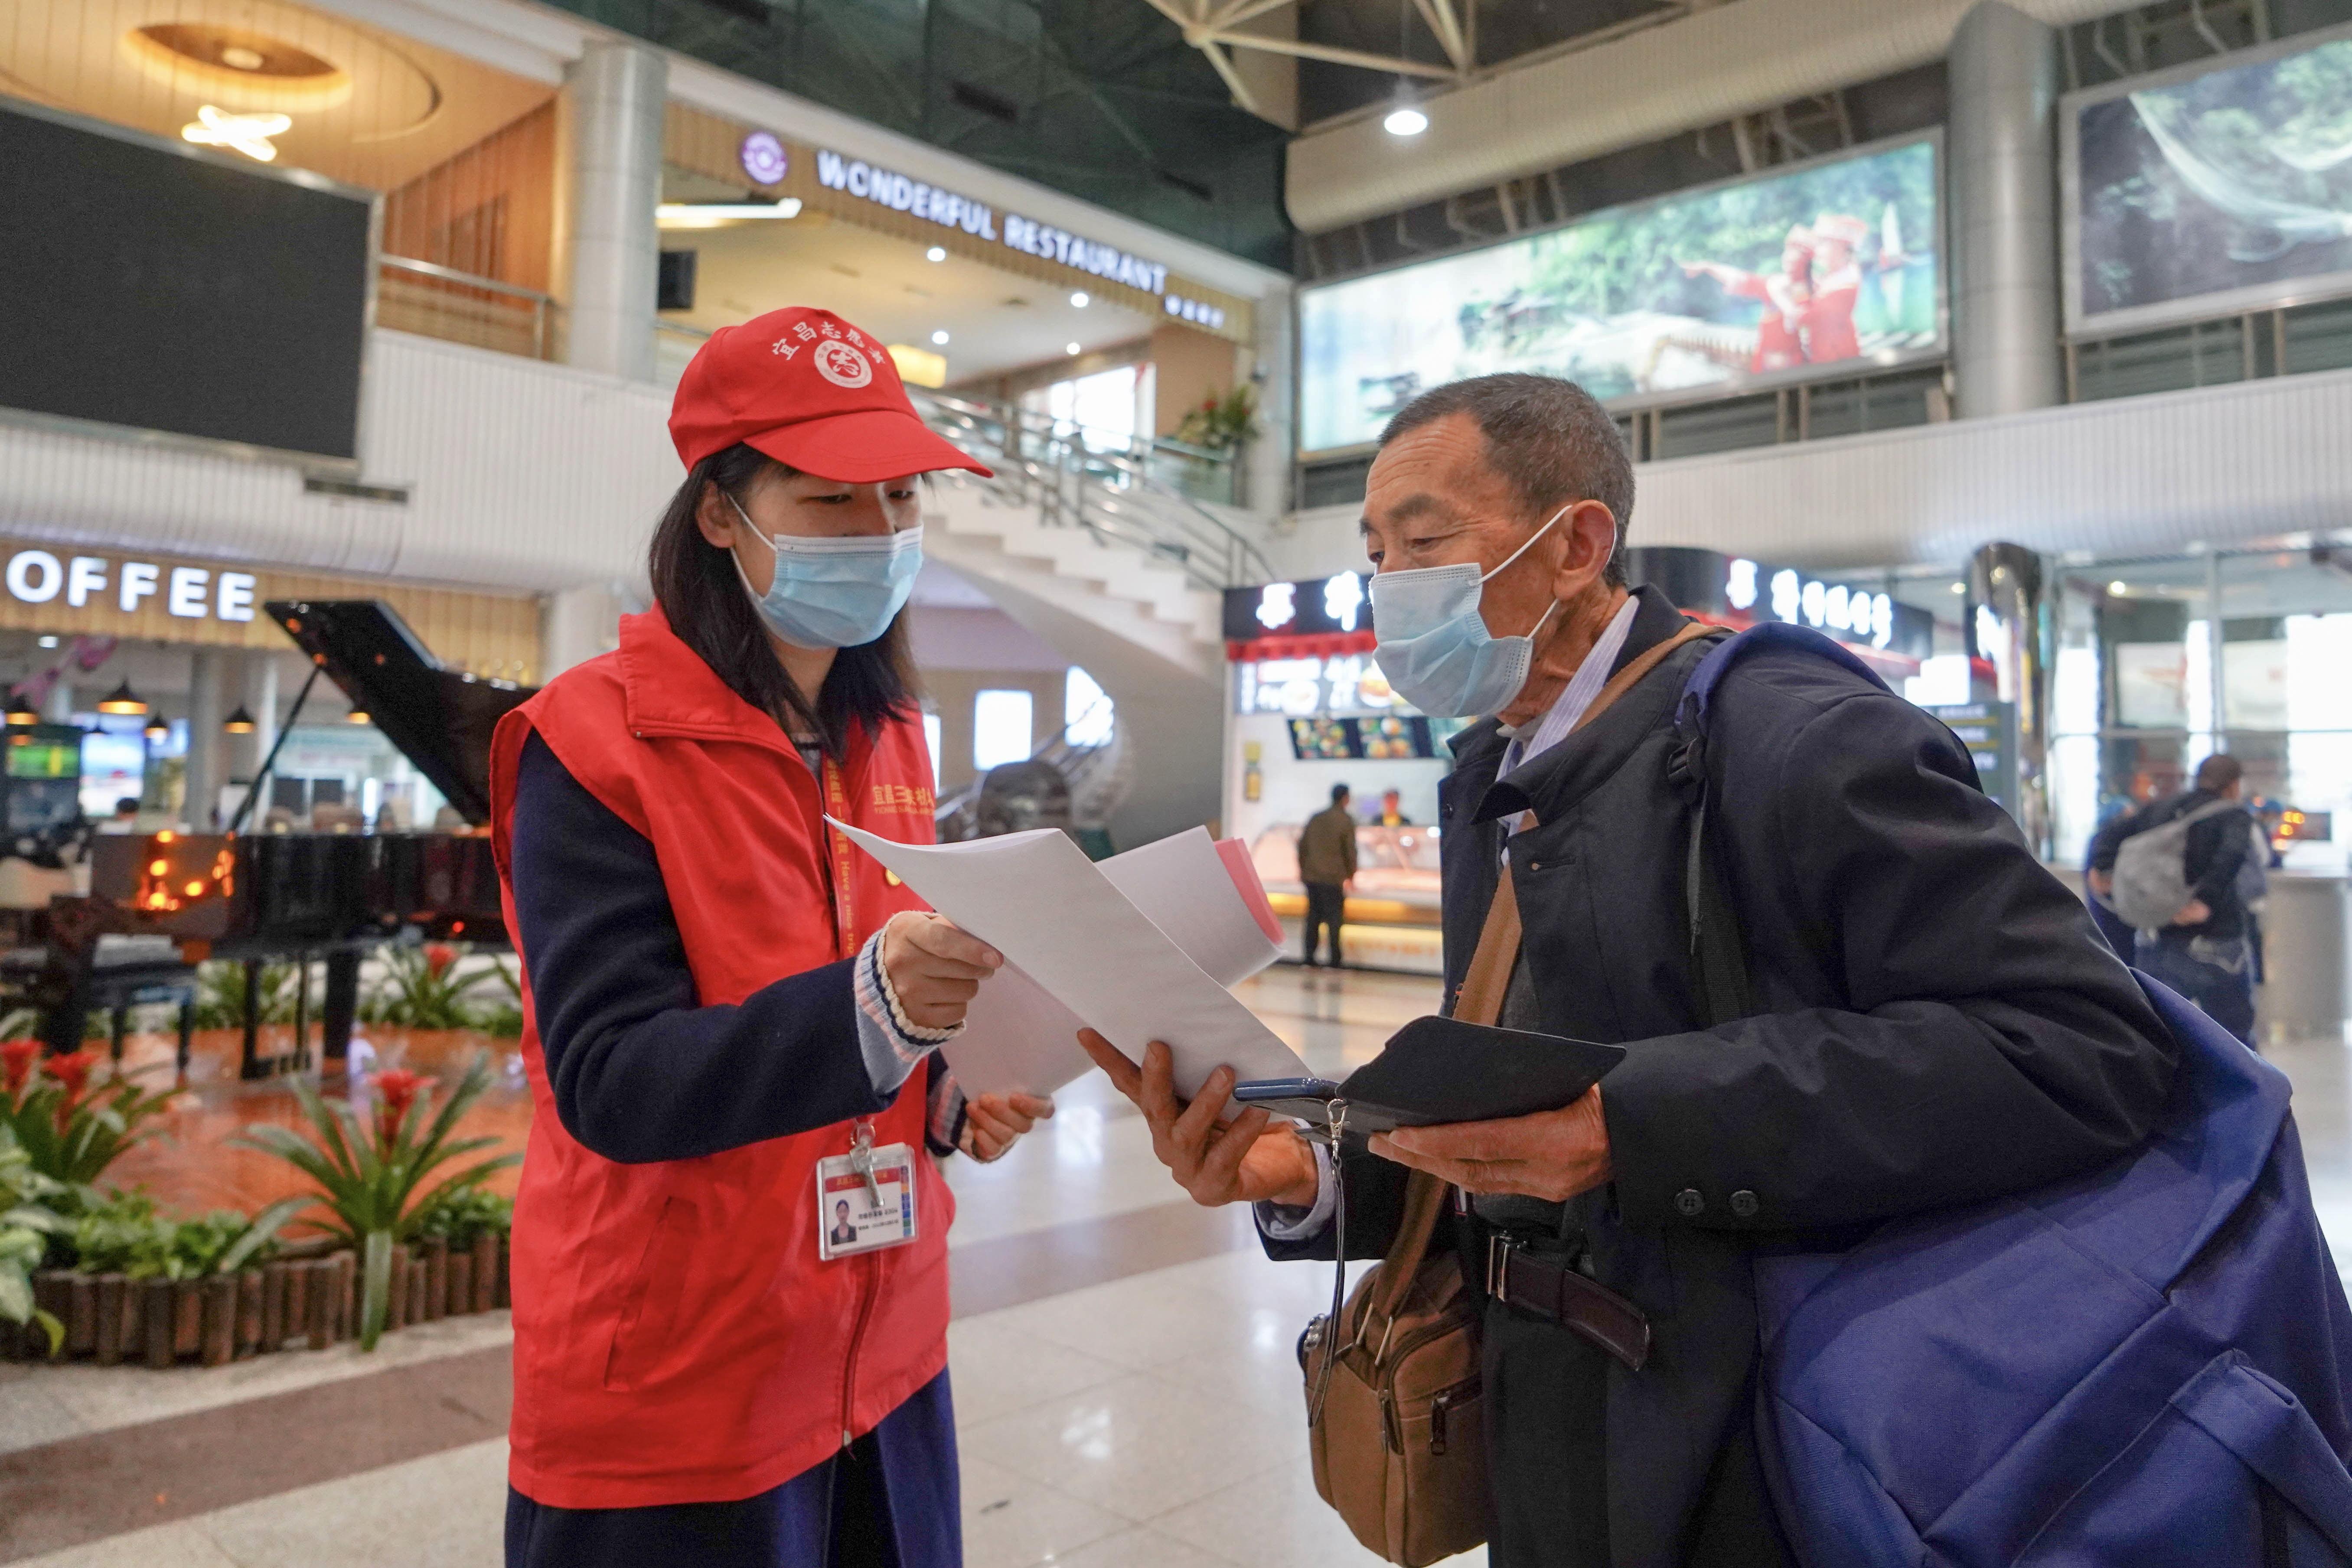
1000,728
1088,713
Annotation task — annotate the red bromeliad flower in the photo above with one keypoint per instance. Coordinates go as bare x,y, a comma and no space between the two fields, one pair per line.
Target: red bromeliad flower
438,957
396,1090
73,1070
16,1065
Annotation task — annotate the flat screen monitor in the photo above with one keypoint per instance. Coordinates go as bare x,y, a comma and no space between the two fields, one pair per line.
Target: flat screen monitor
1388,738
157,288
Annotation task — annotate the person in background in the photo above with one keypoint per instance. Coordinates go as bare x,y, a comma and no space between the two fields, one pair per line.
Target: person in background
731,1013
1393,810
2205,953
1327,864
125,818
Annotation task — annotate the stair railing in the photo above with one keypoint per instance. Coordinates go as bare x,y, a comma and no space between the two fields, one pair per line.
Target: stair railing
1051,466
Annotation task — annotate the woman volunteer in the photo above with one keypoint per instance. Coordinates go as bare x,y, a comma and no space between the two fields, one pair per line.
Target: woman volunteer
731,1243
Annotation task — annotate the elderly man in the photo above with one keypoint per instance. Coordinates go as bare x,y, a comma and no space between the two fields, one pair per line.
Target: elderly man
1934,1020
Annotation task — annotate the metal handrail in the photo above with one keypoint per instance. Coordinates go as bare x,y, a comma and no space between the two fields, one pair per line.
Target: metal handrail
542,303
1109,494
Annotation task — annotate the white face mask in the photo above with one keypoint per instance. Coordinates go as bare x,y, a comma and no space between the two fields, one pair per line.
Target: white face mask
834,592
1433,645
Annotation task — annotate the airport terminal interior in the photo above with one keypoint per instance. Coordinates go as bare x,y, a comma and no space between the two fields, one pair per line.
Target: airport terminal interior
1997,352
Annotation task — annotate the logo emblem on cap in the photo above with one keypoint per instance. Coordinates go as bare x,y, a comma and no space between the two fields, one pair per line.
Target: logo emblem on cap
843,366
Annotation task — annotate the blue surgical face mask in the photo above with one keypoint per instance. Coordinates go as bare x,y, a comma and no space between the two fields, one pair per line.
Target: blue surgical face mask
834,593
1435,646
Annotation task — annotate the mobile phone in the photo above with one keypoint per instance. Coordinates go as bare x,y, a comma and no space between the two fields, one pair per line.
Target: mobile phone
1302,1099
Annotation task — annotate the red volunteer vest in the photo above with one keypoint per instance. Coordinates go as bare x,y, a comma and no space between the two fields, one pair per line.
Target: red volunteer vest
676,1339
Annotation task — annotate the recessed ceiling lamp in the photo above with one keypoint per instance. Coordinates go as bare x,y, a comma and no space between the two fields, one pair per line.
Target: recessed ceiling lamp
712,214
21,712
1405,119
123,700
1078,298
46,639
1071,349
936,253
940,338
244,68
246,134
356,716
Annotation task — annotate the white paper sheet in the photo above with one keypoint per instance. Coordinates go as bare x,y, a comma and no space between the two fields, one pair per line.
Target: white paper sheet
1181,884
1092,955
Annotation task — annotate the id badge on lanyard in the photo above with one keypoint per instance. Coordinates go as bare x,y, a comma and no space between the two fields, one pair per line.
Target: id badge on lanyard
866,1198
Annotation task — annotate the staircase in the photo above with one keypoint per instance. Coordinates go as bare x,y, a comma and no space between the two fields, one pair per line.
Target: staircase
1119,572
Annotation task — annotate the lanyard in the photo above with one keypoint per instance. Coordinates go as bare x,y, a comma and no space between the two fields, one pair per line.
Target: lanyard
845,911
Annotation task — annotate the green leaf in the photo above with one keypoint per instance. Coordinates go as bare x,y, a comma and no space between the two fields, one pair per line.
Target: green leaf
15,1297
262,1229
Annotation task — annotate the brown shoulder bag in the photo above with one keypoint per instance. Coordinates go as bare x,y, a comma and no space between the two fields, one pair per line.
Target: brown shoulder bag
1393,1411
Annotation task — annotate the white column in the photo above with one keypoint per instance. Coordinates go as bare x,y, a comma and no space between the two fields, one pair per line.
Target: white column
611,120
2002,144
575,626
207,669
259,700
1272,456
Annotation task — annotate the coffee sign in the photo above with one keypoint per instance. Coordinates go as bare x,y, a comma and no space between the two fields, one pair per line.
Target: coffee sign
192,593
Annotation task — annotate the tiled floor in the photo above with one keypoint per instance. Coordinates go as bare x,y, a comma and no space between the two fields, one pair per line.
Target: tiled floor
1149,1420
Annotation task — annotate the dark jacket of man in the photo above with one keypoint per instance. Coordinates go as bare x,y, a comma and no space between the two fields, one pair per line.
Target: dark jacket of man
1326,847
1937,1023
2215,853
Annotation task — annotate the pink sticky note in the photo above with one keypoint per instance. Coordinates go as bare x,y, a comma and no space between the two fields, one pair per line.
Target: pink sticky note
1243,871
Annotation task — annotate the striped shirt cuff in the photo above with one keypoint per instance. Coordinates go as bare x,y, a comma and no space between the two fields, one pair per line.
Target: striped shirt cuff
943,1131
1282,1222
892,1043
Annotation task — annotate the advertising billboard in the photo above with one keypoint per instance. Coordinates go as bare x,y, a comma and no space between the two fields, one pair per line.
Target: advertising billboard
2210,190
1823,267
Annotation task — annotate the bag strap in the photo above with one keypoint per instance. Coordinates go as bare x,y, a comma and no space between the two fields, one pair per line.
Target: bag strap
1480,1001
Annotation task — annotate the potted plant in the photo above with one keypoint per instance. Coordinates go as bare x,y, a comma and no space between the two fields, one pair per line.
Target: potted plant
72,1116
27,1221
1222,421
471,1222
424,988
368,1176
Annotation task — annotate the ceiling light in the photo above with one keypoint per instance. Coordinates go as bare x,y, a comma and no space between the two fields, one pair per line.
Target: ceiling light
236,56
48,640
123,700
1072,349
940,337
1405,120
711,215
2119,588
1078,298
21,712
239,722
356,716
936,253
246,134
159,729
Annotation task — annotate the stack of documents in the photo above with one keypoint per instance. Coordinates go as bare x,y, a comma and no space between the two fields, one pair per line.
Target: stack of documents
1140,947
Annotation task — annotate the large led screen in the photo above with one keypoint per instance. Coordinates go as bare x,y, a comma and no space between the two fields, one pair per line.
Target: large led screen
1765,280
2206,193
151,288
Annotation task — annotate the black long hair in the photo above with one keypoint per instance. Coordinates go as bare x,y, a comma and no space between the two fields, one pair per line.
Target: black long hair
695,583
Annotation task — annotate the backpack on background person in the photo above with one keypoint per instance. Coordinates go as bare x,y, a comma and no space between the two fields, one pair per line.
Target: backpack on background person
2144,1364
2151,875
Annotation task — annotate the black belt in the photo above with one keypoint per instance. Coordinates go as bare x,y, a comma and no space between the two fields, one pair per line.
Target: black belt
1546,1284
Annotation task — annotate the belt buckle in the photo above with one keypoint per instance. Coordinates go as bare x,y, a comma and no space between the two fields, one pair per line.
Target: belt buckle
1500,1244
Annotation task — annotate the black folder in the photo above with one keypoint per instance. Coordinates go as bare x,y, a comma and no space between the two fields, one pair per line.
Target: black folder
1438,1070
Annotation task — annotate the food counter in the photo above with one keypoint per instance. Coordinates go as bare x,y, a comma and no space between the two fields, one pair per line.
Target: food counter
1392,916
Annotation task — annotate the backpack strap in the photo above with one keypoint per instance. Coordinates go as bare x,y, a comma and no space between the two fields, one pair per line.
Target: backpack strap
1719,959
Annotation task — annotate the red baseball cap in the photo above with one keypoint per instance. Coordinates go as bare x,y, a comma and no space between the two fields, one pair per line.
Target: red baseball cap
811,391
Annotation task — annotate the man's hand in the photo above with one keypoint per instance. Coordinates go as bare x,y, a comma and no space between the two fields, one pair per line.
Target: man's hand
2102,882
2195,912
992,1122
1246,1161
1553,1154
935,967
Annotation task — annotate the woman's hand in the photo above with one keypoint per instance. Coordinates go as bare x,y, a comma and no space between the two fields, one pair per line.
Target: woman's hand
991,1122
935,967
1244,1160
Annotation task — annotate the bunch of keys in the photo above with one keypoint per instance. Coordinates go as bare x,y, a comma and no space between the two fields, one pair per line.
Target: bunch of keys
861,1158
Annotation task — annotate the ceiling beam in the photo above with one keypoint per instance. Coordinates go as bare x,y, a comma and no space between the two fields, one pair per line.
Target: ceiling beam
1307,51
1240,88
1447,29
